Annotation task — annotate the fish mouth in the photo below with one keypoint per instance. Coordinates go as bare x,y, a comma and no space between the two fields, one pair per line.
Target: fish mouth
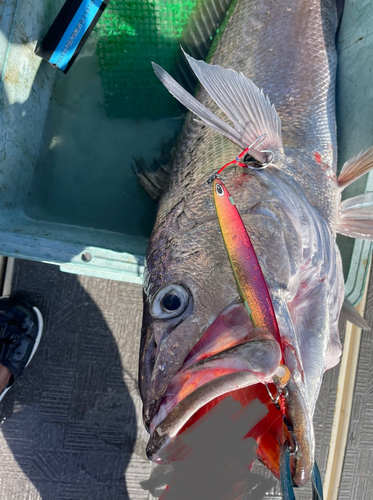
234,359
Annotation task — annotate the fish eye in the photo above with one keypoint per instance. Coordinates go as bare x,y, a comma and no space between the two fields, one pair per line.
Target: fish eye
219,189
169,302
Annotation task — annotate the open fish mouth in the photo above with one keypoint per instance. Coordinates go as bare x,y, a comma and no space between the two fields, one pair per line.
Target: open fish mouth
233,358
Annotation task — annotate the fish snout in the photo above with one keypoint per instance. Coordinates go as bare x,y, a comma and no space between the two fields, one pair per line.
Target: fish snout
159,362
187,371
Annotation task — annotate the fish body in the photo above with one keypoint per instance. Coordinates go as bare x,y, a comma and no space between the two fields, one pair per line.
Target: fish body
198,342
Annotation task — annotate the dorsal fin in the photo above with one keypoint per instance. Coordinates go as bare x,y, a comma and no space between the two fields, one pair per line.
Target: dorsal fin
355,168
356,217
244,104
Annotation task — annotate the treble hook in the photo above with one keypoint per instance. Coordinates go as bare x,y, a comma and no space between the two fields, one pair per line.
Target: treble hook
274,399
258,141
261,166
252,150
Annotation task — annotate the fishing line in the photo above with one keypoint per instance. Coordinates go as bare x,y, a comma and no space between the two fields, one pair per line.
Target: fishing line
317,493
286,480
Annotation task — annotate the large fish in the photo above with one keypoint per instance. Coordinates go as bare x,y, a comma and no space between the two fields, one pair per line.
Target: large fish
198,342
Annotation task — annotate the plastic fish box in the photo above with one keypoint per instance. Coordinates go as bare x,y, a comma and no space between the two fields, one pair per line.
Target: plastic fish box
68,195
355,126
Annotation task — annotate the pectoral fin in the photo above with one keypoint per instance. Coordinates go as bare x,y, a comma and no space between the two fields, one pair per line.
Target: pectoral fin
154,178
350,313
355,168
244,104
356,217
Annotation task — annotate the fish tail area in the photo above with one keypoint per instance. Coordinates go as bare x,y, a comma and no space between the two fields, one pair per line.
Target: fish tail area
356,217
249,110
355,168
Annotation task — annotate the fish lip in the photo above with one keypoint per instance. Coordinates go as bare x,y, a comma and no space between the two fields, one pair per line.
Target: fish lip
164,432
259,374
235,321
159,448
160,438
152,402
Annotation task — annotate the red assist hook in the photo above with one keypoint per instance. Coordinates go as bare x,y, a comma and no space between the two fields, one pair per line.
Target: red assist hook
250,157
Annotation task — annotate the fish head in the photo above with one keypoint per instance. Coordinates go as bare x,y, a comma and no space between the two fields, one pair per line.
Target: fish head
199,344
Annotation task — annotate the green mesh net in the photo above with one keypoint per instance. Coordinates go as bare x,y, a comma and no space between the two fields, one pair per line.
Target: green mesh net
132,33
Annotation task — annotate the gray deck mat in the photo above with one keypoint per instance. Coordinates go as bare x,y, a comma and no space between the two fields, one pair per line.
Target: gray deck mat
72,427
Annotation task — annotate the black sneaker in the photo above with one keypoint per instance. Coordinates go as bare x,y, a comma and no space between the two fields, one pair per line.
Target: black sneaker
21,327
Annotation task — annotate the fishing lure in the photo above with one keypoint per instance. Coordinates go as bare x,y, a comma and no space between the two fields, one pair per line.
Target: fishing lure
244,262
246,268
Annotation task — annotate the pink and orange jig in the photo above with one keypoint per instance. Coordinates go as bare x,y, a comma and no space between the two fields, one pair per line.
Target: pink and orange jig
242,257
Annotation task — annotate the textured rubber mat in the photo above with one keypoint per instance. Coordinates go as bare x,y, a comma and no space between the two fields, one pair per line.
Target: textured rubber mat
357,478
72,428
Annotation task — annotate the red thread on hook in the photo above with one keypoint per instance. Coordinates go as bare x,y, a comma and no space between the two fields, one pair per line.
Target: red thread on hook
235,161
282,403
